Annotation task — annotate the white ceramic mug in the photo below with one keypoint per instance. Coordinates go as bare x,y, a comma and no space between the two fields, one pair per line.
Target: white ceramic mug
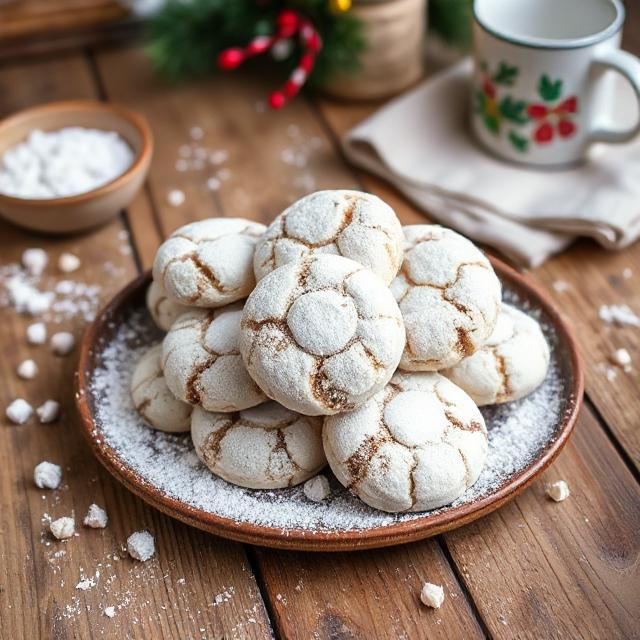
541,93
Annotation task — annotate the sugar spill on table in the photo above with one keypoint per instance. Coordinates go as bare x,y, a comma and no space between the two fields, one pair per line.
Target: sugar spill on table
47,298
518,433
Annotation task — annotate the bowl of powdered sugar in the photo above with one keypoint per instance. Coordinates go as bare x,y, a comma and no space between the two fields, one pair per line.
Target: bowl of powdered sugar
70,166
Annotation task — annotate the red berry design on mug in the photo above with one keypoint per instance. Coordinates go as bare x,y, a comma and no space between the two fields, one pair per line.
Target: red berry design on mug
566,128
543,133
550,119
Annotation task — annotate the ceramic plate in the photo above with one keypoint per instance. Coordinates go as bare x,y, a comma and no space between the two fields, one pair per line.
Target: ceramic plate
524,438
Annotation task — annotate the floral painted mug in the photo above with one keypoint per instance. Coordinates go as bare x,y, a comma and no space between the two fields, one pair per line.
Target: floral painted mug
542,90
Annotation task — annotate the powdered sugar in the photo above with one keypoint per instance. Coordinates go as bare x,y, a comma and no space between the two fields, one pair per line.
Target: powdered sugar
518,433
39,295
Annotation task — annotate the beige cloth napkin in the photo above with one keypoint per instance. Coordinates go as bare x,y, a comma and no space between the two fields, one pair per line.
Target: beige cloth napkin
420,142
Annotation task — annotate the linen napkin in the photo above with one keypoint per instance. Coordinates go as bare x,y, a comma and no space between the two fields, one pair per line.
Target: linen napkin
422,144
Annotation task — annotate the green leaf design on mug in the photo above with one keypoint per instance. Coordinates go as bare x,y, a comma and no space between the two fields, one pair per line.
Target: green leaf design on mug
548,89
514,110
505,75
520,143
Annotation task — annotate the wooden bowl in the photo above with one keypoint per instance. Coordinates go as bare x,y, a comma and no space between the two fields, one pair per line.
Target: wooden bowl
104,328
92,208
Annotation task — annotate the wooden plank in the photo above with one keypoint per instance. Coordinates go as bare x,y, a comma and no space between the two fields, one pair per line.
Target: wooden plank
266,152
369,594
36,17
173,595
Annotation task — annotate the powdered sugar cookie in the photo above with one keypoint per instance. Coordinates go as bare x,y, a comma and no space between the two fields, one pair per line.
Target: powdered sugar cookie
449,297
511,364
266,447
163,309
353,224
416,445
208,263
202,363
152,398
321,335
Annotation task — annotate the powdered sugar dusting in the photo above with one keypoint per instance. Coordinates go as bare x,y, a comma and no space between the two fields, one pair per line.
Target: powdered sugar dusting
518,433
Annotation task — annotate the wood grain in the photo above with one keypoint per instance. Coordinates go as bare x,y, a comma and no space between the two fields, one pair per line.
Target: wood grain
371,594
173,595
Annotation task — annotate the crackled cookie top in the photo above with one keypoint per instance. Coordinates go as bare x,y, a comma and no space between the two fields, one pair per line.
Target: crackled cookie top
353,224
202,363
266,447
152,398
321,335
418,444
163,310
208,263
449,297
511,364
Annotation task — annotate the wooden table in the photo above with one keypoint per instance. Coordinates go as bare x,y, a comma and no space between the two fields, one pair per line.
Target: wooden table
534,569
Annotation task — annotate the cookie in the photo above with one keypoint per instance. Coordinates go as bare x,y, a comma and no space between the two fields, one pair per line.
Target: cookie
202,364
208,263
511,364
321,335
266,447
163,310
418,444
353,224
449,297
152,398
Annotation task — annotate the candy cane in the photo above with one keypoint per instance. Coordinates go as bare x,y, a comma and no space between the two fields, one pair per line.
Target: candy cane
312,44
288,24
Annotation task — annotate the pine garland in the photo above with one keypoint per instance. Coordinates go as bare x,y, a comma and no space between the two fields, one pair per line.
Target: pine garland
451,20
184,38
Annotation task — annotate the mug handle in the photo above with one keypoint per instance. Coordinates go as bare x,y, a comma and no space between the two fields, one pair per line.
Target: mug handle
629,66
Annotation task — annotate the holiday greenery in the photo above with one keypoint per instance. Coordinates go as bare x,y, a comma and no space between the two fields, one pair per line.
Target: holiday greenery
186,38
451,20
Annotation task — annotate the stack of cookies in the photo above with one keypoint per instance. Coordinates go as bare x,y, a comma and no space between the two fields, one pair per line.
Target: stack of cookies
334,335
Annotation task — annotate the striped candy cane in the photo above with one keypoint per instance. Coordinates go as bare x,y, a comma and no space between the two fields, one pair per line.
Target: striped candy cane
288,24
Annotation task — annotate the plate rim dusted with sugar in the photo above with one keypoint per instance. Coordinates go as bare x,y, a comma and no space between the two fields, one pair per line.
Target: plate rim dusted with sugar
421,526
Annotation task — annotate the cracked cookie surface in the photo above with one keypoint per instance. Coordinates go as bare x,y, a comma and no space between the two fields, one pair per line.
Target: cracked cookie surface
163,310
321,335
266,447
208,263
353,224
511,364
152,398
418,444
449,297
202,363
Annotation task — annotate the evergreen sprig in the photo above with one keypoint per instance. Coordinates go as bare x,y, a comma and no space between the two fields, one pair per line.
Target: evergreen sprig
184,38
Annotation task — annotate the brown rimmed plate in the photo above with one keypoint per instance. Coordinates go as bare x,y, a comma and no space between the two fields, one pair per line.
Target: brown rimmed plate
569,371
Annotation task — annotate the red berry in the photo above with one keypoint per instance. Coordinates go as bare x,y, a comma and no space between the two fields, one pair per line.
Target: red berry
277,100
570,105
231,58
488,89
537,111
288,23
544,133
566,128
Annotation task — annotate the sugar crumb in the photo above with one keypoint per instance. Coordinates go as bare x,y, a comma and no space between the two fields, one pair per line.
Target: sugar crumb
558,491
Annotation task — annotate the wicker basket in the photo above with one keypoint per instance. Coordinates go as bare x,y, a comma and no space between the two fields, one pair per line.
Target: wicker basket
393,60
